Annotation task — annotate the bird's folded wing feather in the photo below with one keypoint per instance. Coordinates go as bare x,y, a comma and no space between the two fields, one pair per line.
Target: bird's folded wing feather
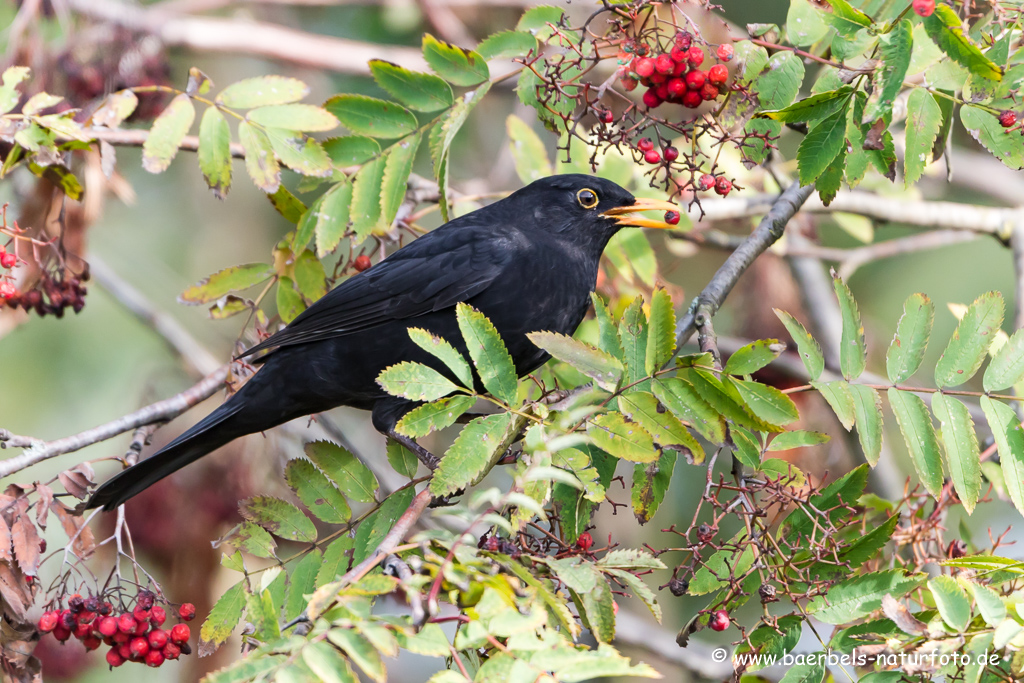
436,271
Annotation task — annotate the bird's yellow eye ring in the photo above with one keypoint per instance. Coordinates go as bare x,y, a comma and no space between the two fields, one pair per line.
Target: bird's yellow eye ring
587,198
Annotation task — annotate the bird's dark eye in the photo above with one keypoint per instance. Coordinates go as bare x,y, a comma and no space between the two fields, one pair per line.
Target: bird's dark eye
587,198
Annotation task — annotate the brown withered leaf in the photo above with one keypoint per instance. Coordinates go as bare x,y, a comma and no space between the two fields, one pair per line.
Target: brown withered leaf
901,616
18,642
26,544
875,137
82,541
5,542
74,483
14,591
43,506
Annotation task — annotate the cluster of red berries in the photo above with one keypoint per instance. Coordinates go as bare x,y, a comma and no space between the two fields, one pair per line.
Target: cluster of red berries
134,636
653,156
496,544
721,185
60,294
674,76
1007,118
924,8
719,620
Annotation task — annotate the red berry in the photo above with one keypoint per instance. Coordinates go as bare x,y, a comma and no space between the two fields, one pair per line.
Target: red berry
676,87
684,39
361,264
187,611
108,626
662,91
8,260
604,116
725,53
139,646
719,620
157,616
692,99
7,290
678,55
924,8
718,74
722,186
585,541
86,617
652,156
664,64
629,83
157,638
671,153
707,181
695,55
61,633
155,658
1007,119
645,145
92,642
106,608
695,80
126,623
708,92
146,599
82,631
644,67
171,651
180,633
121,637
140,613
48,621
67,619
76,602
113,658
141,627
651,99
672,217
124,651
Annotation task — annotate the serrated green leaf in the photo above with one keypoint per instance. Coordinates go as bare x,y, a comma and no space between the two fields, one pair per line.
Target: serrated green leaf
984,127
351,150
301,154
310,279
528,151
279,517
946,30
725,398
860,596
301,582
397,168
867,407
433,416
260,161
245,669
1007,366
830,181
253,539
969,345
263,91
608,335
868,545
329,216
633,338
822,144
454,64
377,524
661,336
810,352
748,450
813,108
639,588
853,351
166,134
215,152
650,484
599,611
913,330
372,117
220,283
289,301
837,394
766,403
445,352
507,45
536,19
894,49
775,87
418,91
298,117
366,191
665,429
345,470
683,401
1006,430
752,357
402,460
624,439
603,368
805,25
473,453
924,121
225,615
327,663
952,602
415,382
919,435
962,453
317,493
442,135
805,673
797,439
990,604
491,358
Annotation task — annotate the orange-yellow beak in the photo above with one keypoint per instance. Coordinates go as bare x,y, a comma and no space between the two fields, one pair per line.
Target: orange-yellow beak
624,217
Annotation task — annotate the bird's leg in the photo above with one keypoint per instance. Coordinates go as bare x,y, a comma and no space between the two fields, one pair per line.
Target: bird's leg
424,456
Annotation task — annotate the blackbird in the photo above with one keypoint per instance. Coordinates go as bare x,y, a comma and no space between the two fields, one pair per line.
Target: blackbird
528,262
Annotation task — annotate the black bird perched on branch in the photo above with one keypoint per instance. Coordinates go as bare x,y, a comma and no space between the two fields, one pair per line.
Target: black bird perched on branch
528,262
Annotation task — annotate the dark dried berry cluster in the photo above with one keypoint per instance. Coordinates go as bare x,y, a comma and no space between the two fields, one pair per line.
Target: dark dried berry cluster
133,636
496,544
674,76
50,297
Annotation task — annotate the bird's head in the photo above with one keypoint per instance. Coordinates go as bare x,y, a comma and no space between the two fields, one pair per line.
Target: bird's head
586,206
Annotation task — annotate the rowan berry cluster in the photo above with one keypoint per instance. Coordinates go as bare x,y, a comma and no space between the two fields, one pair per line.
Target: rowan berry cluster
674,76
135,635
50,297
7,261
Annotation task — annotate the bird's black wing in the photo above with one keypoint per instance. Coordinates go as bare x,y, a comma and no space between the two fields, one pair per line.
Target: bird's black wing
436,271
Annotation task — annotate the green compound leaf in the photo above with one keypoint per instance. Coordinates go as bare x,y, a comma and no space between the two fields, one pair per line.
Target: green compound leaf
295,117
260,162
279,517
952,602
924,121
754,356
431,417
1006,430
624,439
810,352
343,469
860,596
397,168
317,493
1007,366
913,330
473,453
372,117
215,152
867,407
894,48
491,358
168,130
603,368
821,146
418,91
853,350
919,435
415,382
263,91
946,30
962,453
224,616
970,342
454,64
224,281
771,642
